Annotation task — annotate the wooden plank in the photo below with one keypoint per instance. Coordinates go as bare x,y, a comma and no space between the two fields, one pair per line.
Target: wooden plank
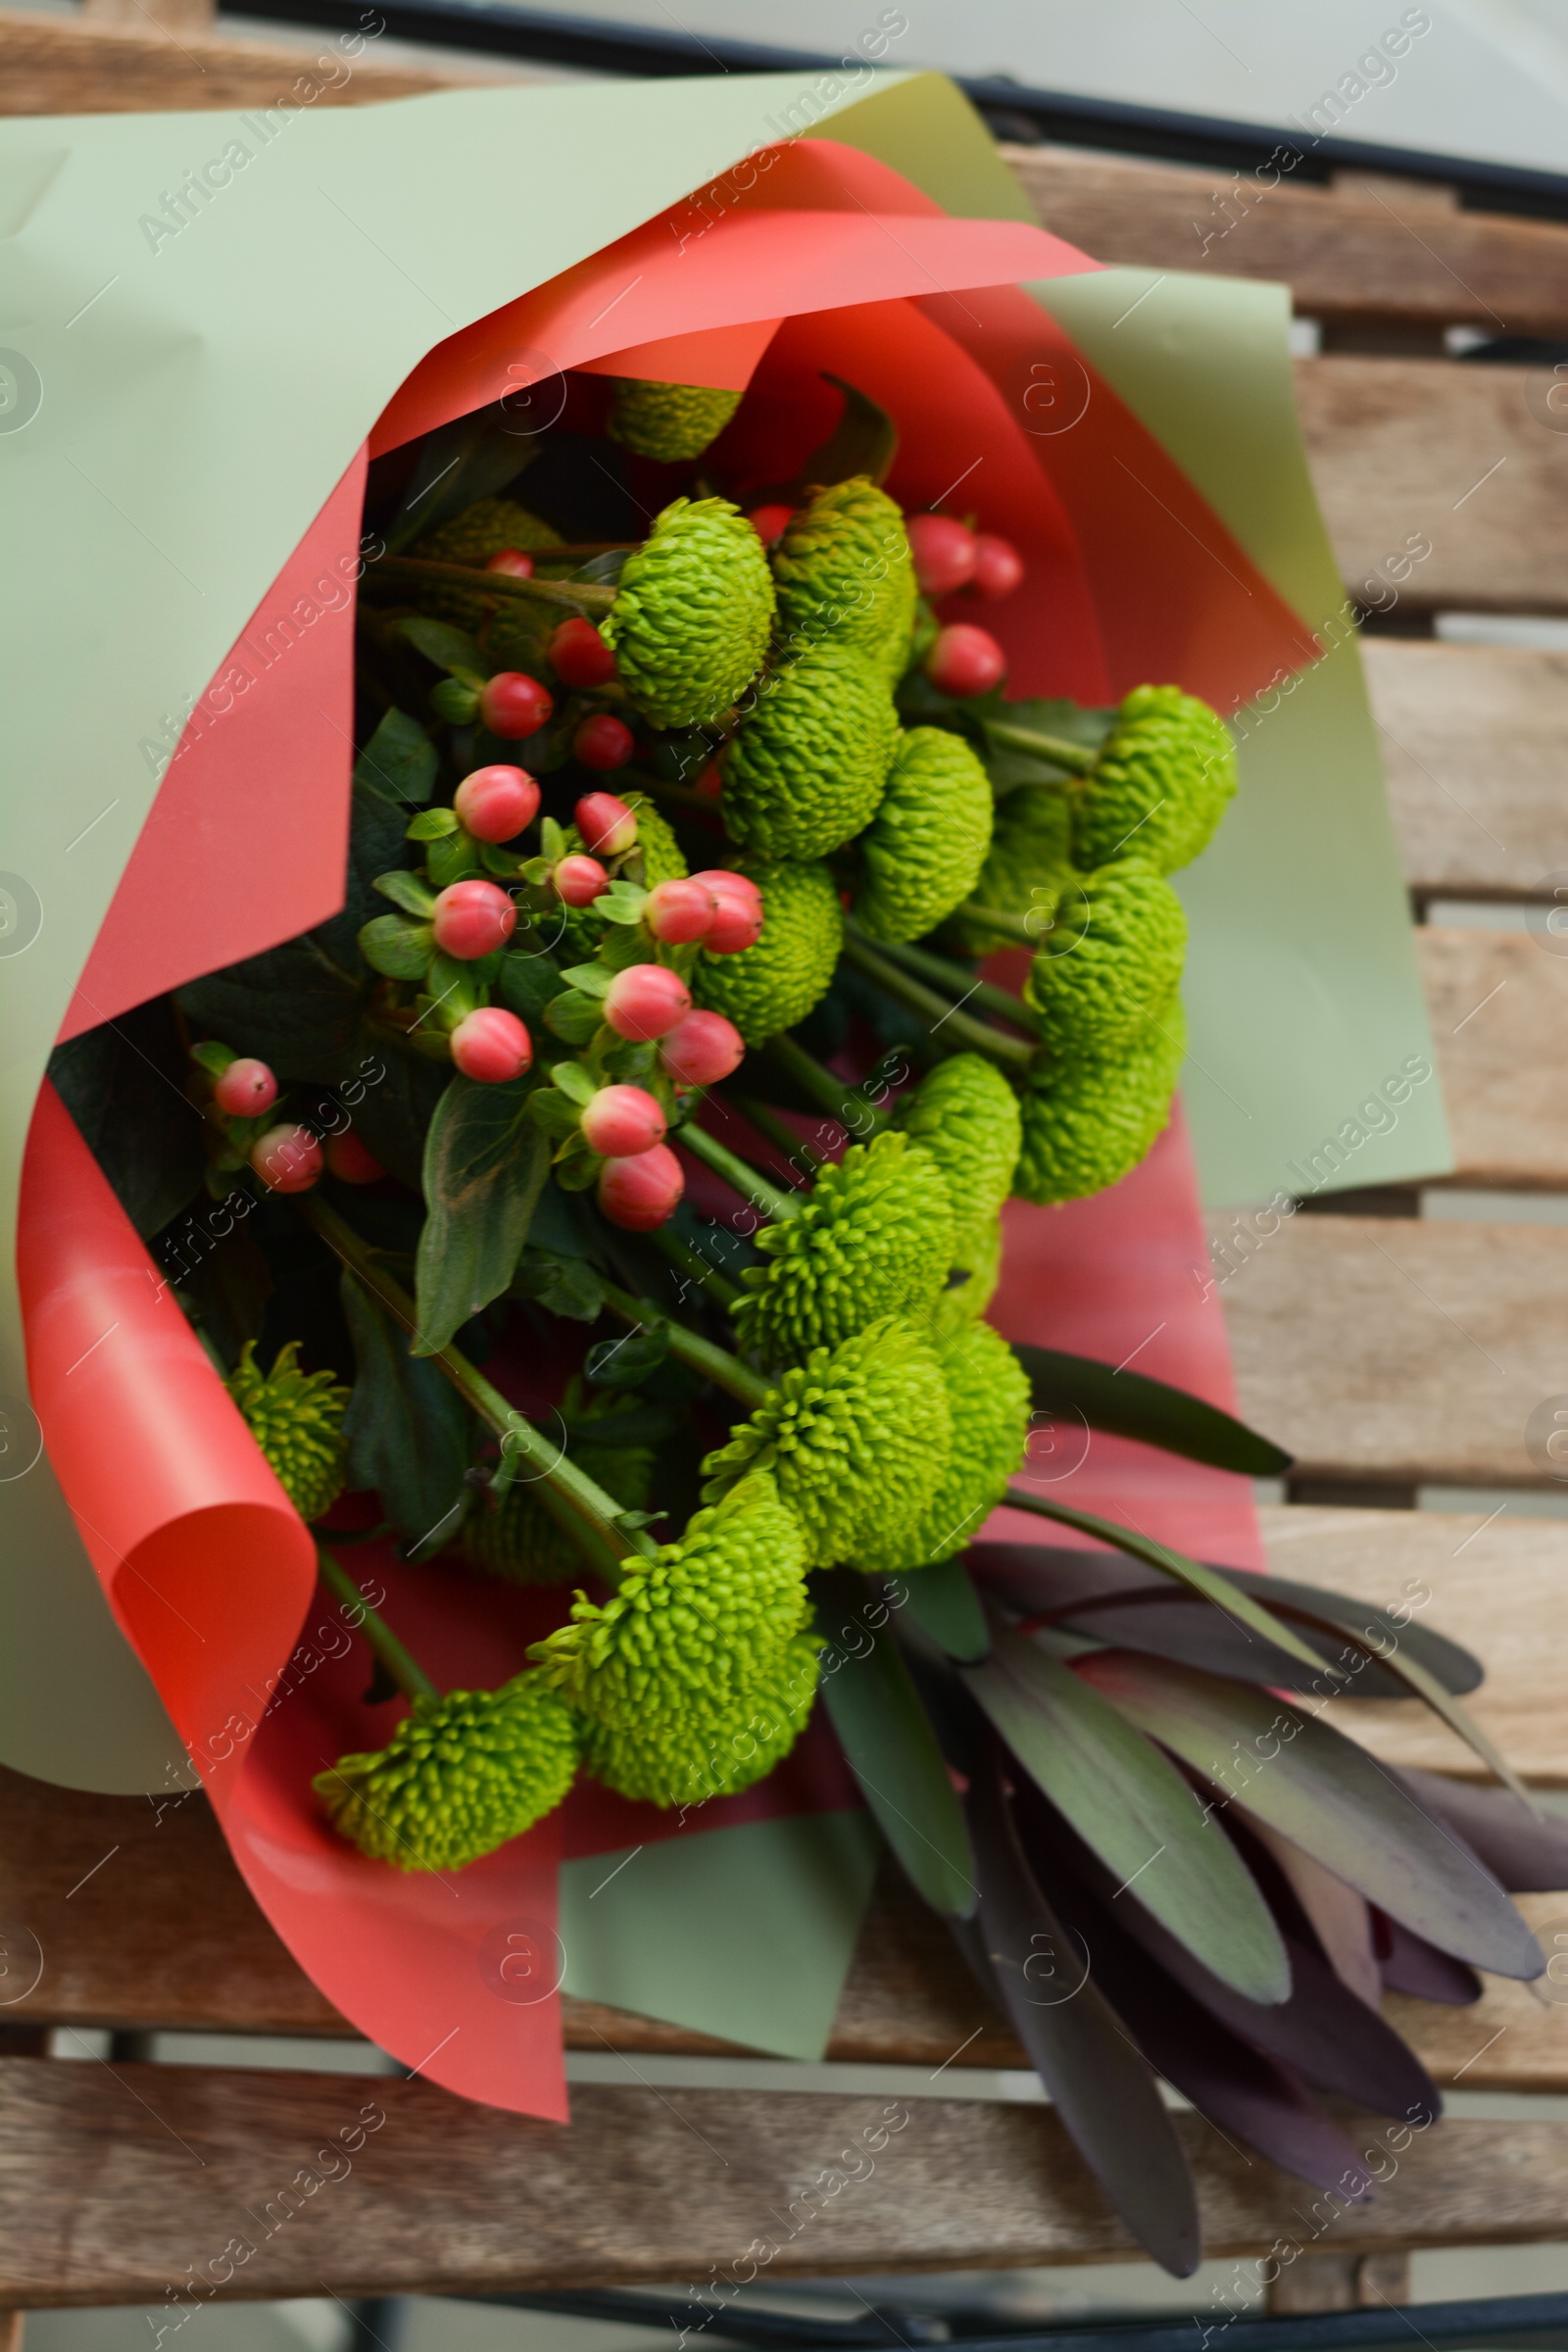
1407,453
1379,252
62,65
1498,1004
1475,750
1400,1352
119,2186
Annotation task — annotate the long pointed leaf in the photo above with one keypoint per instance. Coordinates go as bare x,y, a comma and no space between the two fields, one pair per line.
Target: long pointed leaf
1128,1405
1315,1787
1208,1582
1097,2077
946,1606
1135,1810
1525,1852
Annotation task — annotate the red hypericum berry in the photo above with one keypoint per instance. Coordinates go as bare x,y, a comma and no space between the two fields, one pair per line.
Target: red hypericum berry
622,1121
514,705
964,661
492,1046
998,566
640,1193
702,1048
287,1159
514,561
579,656
608,826
738,922
578,880
473,918
603,742
646,1001
350,1161
246,1089
496,802
711,782
769,523
680,910
944,553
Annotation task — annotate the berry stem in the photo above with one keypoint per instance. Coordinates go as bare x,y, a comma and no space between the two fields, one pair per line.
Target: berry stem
842,1101
1076,757
409,1675
587,1514
737,1172
905,990
962,985
695,1266
724,1370
572,596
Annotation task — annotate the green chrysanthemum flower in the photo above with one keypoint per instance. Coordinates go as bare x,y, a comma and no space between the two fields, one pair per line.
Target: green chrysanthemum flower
655,859
472,537
1113,954
519,1541
1025,868
966,1116
692,1626
929,840
808,766
775,984
855,1439
972,1279
704,1751
1087,1123
874,1238
844,571
668,421
297,1420
1160,784
458,1777
691,623
988,1399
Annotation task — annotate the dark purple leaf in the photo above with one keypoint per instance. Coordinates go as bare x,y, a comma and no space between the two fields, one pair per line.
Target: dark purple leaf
1526,1852
1410,1964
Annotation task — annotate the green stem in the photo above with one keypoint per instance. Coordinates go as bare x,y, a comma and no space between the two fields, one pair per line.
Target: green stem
1076,757
419,571
724,1370
782,1136
737,1172
833,1095
1027,929
409,1675
691,1263
964,986
961,1029
589,1515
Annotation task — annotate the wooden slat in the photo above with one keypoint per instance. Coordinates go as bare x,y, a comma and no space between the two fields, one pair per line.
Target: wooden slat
60,66
1475,749
1401,1352
113,2184
1384,254
1498,1004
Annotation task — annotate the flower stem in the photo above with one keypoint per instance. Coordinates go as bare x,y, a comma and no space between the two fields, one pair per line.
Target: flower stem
691,1263
417,572
836,1096
905,989
587,1514
1076,757
409,1675
1027,929
737,1172
724,1370
781,1136
967,990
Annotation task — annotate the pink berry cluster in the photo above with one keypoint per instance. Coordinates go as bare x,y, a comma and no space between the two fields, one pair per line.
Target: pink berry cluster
287,1156
963,660
514,705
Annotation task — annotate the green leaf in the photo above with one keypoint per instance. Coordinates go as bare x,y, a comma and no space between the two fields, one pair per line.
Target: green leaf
452,650
400,764
591,979
573,1081
411,1436
622,902
1131,1805
473,457
456,701
213,1058
551,840
573,1017
455,988
576,1165
1329,1796
124,1085
525,982
408,892
562,1286
1126,1405
626,1362
432,824
484,1166
401,948
944,1604
890,1746
1193,1574
552,1113
293,1007
452,860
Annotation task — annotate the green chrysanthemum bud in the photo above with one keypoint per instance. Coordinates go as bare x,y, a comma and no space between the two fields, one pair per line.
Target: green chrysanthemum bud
458,1777
668,421
1113,957
855,1439
1087,1123
845,572
874,1238
690,626
1160,784
1025,868
775,984
519,1541
988,1399
967,1115
297,1420
808,768
580,929
972,1279
704,1750
479,533
693,1625
929,840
